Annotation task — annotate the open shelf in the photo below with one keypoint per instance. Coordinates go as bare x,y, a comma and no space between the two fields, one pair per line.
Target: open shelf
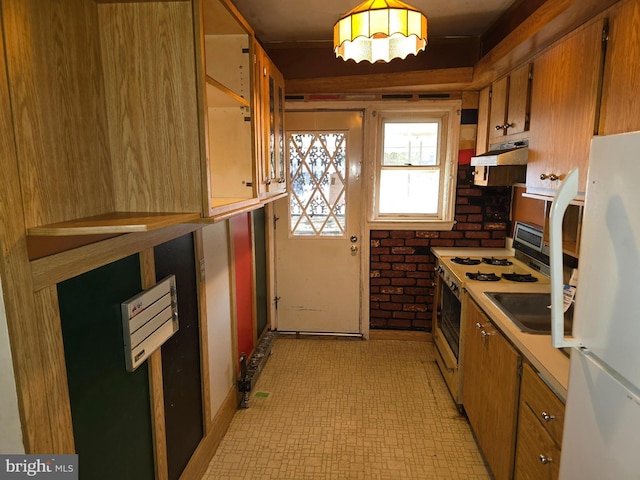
113,223
220,96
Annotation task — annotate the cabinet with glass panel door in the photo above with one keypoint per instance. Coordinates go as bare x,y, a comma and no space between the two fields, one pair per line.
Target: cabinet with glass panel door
270,135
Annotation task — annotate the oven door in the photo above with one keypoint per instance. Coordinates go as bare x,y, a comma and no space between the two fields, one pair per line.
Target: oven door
446,335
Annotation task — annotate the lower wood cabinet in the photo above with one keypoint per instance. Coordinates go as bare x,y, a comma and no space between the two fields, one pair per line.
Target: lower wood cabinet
540,423
490,390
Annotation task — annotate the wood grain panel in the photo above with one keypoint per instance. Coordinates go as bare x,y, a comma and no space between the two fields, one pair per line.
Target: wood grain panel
148,55
158,429
564,99
519,95
57,98
484,113
19,302
55,372
541,399
620,99
499,103
534,441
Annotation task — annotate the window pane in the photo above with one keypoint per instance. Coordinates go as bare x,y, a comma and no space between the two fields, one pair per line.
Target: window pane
409,191
410,144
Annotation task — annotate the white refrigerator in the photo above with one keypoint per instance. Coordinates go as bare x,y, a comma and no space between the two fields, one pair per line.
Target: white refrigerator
601,438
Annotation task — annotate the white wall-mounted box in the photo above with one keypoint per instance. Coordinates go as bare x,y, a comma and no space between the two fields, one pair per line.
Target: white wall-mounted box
148,320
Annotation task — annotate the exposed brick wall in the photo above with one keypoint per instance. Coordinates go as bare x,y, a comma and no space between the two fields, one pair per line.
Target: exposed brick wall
402,266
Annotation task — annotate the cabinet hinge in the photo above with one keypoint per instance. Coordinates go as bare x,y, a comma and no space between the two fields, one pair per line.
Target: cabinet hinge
245,50
605,32
275,221
520,369
275,301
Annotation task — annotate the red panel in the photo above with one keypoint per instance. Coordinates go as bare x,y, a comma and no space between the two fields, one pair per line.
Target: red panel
464,156
241,234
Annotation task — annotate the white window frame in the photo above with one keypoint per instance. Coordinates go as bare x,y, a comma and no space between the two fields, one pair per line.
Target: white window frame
448,114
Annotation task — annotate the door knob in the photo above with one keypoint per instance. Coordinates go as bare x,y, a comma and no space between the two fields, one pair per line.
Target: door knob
354,250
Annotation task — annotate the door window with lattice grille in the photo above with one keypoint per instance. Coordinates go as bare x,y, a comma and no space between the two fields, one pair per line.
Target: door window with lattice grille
317,166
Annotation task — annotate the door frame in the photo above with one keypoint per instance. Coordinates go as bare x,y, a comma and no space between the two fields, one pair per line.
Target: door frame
363,228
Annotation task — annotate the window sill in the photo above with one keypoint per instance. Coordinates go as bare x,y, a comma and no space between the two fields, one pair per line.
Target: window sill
433,225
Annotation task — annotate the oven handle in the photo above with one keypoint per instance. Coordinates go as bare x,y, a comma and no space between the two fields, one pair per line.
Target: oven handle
446,366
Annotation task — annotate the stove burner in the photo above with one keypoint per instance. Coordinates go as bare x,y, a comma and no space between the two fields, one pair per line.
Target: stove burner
483,277
519,277
502,262
465,261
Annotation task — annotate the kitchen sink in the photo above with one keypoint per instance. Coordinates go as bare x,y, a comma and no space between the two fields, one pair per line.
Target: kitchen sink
529,311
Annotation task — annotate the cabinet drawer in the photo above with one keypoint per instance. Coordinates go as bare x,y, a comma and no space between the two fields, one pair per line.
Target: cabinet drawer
537,454
544,404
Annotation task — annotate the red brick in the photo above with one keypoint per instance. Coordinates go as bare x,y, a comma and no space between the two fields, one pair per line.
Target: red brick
427,234
380,250
475,218
417,242
469,192
379,234
477,235
405,315
392,258
375,243
392,274
499,234
419,275
379,298
377,322
403,281
468,226
424,283
422,324
460,218
392,242
392,290
416,291
443,242
405,267
379,281
374,273
374,258
391,306
415,307
380,265
374,305
495,226
379,314
451,234
466,209
403,250
423,316
403,234
469,243
417,258
403,298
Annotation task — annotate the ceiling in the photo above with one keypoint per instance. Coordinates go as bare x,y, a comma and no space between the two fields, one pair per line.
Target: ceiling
284,21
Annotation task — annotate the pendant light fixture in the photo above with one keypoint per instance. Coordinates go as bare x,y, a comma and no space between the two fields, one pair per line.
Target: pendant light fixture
380,30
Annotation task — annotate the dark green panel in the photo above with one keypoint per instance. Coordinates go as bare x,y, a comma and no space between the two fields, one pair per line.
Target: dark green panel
181,375
110,407
259,235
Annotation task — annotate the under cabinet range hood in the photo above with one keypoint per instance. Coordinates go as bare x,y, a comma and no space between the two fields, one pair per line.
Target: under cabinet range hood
504,155
503,165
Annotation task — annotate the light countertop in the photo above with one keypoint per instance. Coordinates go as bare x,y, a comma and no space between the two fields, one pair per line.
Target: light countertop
550,362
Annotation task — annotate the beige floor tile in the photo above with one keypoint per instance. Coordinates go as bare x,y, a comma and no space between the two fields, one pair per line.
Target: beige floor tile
349,409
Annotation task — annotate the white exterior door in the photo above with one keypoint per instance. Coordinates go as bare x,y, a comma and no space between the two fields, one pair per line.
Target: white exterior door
318,233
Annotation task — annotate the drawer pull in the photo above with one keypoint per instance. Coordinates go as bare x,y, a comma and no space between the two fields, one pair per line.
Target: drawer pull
547,417
544,459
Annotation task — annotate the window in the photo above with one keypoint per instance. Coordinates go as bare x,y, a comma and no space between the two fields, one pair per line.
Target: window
415,165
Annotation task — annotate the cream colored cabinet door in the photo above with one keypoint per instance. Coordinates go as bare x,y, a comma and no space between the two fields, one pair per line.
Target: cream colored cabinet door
318,231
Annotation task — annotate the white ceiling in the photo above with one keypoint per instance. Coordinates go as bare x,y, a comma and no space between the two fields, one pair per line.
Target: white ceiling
312,20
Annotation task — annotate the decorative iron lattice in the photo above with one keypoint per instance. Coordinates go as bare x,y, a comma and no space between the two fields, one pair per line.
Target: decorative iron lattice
317,203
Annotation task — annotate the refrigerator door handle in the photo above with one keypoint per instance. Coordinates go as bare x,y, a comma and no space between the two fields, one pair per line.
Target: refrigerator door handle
566,193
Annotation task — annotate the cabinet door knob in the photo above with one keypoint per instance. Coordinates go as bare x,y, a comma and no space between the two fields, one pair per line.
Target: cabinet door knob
507,125
499,127
547,417
479,325
553,177
544,459
485,334
549,176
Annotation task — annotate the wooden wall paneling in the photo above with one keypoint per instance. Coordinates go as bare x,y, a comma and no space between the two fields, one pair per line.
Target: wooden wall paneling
156,390
55,371
110,406
152,106
204,327
57,98
181,357
620,100
59,267
19,302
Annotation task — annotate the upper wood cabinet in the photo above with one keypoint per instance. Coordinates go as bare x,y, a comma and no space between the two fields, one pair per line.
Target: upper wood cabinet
104,114
564,105
270,138
484,111
510,104
620,100
490,390
230,166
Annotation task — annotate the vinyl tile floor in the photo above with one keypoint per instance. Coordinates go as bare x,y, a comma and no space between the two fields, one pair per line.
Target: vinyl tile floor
336,408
